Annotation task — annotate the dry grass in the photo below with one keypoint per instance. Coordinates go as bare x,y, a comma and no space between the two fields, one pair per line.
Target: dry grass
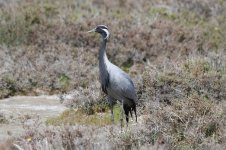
173,50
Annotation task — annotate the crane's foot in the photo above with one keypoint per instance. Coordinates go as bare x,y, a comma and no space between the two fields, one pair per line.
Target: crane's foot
112,117
121,122
112,121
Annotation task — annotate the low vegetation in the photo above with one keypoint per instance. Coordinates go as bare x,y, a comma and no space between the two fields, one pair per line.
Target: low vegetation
93,115
173,50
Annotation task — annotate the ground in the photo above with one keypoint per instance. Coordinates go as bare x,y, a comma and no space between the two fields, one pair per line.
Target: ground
174,51
23,110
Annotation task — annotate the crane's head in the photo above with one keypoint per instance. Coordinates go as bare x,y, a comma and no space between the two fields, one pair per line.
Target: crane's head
103,30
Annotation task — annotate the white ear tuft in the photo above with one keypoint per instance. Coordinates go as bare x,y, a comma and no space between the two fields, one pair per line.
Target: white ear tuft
107,33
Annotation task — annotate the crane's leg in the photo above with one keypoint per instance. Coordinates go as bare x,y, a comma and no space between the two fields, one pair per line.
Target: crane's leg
127,110
111,107
135,111
121,114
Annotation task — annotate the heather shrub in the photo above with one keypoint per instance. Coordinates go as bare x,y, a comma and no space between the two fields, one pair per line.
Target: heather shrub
173,50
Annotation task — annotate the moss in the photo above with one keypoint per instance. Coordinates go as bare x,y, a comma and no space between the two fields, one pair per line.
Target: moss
11,85
170,79
73,117
74,16
198,67
32,16
50,9
118,13
3,120
162,12
14,32
212,33
128,138
15,29
64,81
214,36
211,129
127,65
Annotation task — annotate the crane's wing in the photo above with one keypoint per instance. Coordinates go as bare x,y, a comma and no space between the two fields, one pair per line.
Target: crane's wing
127,88
121,86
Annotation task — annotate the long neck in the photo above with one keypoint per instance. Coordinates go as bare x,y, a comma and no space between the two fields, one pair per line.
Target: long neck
102,52
103,61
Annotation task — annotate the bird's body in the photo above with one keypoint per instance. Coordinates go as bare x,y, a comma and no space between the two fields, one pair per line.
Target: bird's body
121,87
115,82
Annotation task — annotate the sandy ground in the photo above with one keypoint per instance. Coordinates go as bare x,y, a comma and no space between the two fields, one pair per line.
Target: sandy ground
16,109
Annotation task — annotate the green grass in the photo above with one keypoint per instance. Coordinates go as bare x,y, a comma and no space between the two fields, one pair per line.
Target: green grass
79,116
64,81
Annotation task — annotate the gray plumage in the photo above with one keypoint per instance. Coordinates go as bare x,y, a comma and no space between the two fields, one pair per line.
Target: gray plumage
115,82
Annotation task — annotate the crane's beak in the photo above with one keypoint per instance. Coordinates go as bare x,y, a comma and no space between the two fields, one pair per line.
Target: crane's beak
93,30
